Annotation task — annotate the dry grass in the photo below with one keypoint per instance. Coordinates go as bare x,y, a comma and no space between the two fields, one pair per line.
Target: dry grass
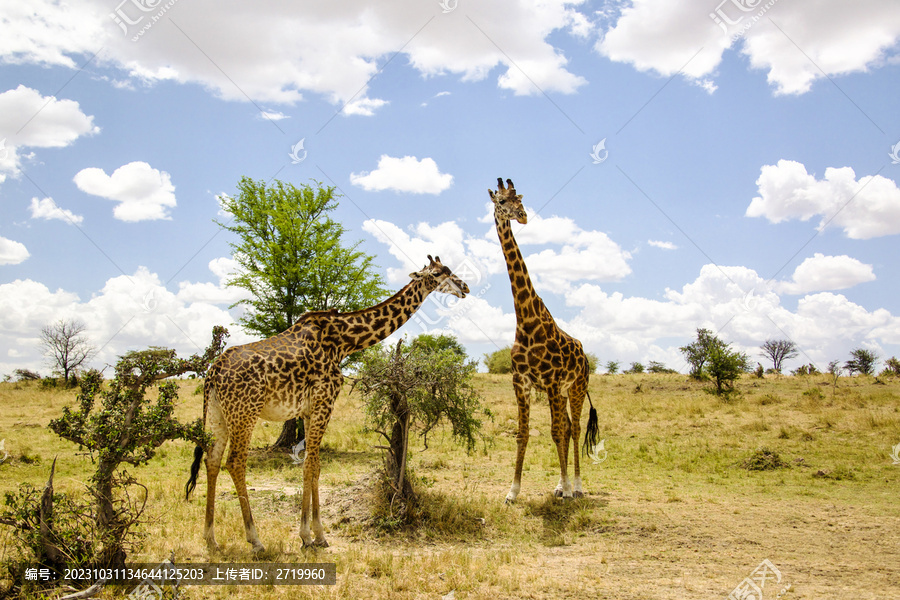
671,513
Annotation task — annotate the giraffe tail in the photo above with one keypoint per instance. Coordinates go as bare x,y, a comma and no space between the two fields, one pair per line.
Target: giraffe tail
198,450
592,431
195,470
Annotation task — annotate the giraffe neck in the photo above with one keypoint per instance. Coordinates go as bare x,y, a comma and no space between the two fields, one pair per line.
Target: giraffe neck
522,288
364,328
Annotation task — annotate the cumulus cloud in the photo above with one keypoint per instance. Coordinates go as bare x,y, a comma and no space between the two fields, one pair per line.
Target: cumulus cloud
128,312
12,252
583,255
823,273
691,37
864,208
143,193
30,120
406,174
320,48
48,209
732,301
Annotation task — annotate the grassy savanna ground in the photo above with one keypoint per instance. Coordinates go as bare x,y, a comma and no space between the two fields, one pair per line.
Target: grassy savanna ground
669,514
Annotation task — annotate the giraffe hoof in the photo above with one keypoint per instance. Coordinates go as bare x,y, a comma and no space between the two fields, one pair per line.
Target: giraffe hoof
578,494
316,544
258,549
558,493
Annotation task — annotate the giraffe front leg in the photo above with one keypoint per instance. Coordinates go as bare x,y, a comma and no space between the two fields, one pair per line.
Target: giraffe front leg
523,401
310,521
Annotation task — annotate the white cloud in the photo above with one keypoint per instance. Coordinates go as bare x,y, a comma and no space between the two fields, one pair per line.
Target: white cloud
143,193
48,209
272,115
584,255
864,208
662,245
30,120
836,38
472,258
12,252
823,273
129,312
321,48
406,174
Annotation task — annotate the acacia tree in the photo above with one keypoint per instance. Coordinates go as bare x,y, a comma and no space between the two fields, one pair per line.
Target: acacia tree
861,361
127,428
65,346
725,366
698,352
417,389
292,259
779,351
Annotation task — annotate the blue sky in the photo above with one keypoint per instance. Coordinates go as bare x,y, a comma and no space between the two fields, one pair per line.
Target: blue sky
745,184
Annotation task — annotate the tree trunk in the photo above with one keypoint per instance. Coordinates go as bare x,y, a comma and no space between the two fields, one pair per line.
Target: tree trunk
291,433
112,555
396,458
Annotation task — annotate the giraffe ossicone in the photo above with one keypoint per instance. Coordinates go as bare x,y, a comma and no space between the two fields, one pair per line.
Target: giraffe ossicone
296,374
544,357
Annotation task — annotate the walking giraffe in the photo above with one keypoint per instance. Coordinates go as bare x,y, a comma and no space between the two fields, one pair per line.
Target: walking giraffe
296,373
544,357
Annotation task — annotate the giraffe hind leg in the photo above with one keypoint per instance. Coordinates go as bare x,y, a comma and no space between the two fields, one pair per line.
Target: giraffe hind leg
219,430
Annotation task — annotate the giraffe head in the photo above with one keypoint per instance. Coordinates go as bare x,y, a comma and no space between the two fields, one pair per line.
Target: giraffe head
508,204
448,283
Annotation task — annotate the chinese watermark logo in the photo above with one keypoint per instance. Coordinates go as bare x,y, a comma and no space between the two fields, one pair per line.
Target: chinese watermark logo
599,152
6,454
753,586
895,453
133,12
440,307
448,5
295,154
734,16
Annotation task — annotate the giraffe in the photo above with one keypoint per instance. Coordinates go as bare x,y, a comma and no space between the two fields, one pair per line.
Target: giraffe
296,373
544,357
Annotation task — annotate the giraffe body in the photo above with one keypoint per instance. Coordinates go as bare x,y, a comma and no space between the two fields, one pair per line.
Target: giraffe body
544,358
296,374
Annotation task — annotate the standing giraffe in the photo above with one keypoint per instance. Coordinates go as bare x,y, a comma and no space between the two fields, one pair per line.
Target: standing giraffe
544,357
296,373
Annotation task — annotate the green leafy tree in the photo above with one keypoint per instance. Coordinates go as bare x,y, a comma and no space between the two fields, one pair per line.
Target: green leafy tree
725,366
128,428
292,259
779,351
435,343
593,361
657,367
697,353
891,366
635,368
499,361
612,367
862,361
414,390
